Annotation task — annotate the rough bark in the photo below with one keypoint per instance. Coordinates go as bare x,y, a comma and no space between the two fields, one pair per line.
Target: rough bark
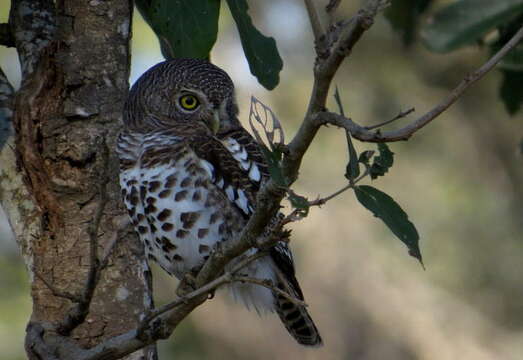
58,179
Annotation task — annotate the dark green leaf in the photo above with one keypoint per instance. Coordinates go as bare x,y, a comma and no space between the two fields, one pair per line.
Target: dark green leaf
300,202
261,52
404,17
274,164
385,208
185,29
512,61
382,162
365,157
352,171
511,90
464,22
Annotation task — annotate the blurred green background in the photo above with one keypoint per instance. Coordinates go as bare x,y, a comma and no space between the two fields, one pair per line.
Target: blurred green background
459,179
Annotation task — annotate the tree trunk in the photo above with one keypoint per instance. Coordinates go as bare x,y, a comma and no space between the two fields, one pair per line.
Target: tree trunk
59,186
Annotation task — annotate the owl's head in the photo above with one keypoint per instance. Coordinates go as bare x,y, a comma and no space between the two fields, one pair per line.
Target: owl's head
182,91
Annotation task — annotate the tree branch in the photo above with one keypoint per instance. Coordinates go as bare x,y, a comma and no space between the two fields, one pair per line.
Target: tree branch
33,27
161,322
314,18
401,115
363,134
327,63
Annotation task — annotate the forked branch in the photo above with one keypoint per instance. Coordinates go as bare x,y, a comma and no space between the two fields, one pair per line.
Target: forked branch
365,134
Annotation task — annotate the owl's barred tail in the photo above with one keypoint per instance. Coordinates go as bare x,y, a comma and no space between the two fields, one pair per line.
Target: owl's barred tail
297,320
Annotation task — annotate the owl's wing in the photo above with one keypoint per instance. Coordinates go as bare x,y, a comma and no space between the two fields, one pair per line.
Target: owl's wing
247,152
227,173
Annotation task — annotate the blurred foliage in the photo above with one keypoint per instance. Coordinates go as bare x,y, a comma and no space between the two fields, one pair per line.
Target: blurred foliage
188,29
465,22
404,16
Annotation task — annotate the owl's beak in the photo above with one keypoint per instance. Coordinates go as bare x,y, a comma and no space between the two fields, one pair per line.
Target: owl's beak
214,122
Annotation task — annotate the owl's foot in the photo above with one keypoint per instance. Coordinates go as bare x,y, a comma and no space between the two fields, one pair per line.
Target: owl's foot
187,284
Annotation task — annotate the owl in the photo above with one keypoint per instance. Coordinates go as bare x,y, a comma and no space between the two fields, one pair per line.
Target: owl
189,174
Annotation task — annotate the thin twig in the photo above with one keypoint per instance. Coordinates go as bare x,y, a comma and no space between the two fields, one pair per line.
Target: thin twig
401,114
269,285
322,201
227,277
317,29
363,134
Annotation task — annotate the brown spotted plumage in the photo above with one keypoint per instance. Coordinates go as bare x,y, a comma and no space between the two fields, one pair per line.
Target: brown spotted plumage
189,177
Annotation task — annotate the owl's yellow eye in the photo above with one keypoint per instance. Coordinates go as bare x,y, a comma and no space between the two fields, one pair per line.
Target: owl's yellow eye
189,102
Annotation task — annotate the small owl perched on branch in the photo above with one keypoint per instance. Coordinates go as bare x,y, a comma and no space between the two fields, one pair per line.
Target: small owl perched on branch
189,174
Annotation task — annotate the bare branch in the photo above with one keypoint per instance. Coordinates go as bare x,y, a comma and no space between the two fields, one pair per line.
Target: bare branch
401,115
33,27
327,63
404,133
314,18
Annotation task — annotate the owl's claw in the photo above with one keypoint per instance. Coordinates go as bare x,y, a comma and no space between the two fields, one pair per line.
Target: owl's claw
187,285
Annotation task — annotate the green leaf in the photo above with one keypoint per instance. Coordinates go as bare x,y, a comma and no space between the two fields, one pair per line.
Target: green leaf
465,21
352,171
382,162
185,29
300,202
511,91
512,61
365,157
385,208
274,164
261,52
404,16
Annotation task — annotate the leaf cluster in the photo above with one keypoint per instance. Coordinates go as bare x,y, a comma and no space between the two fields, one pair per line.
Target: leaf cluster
188,29
376,164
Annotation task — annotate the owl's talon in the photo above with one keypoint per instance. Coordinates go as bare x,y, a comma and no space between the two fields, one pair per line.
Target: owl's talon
187,285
